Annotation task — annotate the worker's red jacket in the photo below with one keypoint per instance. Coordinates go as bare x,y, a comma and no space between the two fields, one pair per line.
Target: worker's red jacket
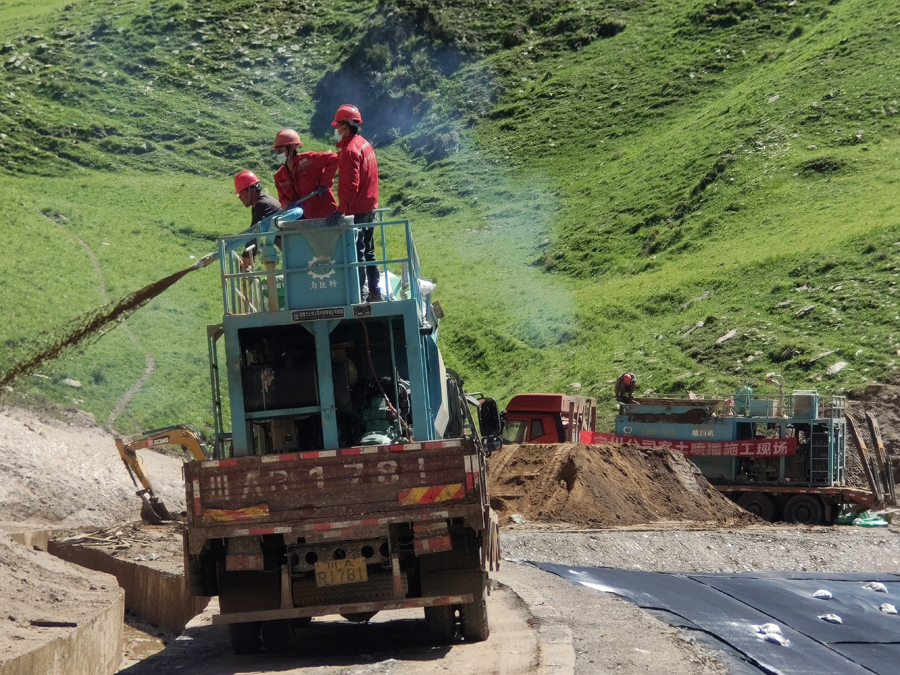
357,176
309,171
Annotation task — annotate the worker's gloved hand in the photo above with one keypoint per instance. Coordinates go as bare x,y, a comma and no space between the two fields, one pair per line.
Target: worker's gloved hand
321,190
334,218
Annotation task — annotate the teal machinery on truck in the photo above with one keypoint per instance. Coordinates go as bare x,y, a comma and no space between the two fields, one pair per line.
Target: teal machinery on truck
781,457
353,478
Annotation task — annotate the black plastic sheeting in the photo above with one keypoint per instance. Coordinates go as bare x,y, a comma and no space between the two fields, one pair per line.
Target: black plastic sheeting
729,607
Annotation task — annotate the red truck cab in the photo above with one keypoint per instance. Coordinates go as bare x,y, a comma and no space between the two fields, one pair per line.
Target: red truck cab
548,418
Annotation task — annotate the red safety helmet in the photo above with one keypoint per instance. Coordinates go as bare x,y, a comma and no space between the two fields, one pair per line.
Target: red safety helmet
347,113
244,180
286,137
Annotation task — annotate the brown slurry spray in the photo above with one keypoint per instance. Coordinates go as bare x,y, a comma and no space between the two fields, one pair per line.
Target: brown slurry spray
89,326
605,486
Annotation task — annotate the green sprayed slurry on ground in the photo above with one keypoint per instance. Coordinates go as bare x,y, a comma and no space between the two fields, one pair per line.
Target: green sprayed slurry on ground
586,181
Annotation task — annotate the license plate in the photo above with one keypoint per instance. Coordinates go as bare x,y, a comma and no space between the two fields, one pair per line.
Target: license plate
335,572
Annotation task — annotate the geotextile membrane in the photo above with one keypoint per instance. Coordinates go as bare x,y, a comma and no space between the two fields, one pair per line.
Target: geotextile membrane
731,608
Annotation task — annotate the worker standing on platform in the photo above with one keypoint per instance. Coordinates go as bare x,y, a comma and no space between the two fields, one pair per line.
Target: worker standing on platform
625,386
303,174
357,190
251,194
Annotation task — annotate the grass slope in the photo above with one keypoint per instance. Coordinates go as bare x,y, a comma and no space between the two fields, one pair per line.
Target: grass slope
588,181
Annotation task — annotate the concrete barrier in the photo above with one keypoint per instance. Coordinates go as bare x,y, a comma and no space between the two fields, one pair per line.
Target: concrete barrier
32,538
156,596
93,648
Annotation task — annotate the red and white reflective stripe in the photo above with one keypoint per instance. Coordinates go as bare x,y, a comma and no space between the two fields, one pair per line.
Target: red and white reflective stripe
432,545
372,522
195,488
212,463
318,454
345,452
471,463
259,531
366,450
438,525
289,457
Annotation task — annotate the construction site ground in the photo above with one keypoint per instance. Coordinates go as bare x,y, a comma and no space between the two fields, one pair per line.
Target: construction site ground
61,472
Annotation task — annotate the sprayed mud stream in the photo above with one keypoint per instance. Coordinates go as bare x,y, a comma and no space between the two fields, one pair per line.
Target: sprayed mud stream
90,326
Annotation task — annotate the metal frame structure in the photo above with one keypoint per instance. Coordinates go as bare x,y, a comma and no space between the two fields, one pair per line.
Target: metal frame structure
313,282
720,420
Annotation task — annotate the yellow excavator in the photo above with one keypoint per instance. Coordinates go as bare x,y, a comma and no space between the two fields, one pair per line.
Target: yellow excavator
185,436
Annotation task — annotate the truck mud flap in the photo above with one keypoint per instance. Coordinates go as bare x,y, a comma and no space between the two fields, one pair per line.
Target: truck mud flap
323,610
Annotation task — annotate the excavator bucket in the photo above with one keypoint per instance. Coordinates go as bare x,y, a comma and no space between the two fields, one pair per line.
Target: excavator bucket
153,511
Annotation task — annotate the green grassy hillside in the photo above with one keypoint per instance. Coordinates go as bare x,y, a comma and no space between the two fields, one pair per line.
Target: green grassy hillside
700,192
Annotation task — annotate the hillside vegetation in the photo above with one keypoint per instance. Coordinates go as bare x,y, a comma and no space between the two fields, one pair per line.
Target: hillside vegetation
700,192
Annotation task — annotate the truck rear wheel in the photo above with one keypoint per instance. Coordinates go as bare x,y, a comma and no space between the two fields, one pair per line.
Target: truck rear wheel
804,509
440,624
283,635
244,637
473,620
759,504
359,617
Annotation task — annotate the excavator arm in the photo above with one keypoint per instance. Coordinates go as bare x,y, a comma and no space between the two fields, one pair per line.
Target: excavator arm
153,511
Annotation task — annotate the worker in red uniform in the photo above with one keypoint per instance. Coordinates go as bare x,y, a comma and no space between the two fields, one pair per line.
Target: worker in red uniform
304,173
357,190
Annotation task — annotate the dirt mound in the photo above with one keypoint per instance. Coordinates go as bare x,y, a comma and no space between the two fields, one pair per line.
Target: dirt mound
604,485
58,473
44,598
882,401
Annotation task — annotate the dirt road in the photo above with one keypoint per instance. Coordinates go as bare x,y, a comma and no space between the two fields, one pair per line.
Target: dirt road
543,624
590,632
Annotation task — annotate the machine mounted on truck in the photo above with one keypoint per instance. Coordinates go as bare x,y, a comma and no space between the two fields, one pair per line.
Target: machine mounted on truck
782,458
548,418
353,479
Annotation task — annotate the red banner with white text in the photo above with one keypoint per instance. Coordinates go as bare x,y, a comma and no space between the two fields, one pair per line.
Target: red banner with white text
765,447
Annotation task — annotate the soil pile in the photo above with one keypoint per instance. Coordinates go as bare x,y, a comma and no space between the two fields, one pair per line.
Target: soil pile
882,401
45,598
66,473
604,485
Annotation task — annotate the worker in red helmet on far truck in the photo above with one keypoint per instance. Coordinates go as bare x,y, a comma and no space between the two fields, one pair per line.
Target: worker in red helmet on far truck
357,190
303,174
625,386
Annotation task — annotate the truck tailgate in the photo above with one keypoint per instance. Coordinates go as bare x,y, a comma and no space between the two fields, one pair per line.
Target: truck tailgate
332,484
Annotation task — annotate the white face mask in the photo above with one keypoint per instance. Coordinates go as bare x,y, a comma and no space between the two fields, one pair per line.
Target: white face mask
281,157
337,135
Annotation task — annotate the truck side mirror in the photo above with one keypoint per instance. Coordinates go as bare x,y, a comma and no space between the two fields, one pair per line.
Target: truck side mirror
489,418
492,445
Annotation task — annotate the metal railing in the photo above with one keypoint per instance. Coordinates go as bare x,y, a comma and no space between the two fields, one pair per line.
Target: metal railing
248,284
829,407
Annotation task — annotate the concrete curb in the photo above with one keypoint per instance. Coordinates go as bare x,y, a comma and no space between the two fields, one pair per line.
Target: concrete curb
157,597
557,651
93,648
